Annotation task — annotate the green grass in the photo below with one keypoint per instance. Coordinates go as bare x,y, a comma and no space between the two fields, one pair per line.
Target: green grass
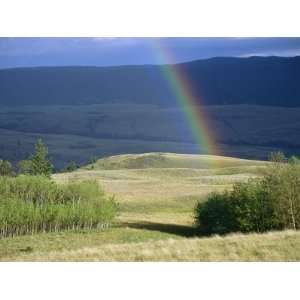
13,248
149,245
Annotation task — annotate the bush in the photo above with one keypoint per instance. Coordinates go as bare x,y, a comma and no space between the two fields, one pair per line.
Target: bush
30,204
25,166
259,205
72,166
6,168
215,215
282,184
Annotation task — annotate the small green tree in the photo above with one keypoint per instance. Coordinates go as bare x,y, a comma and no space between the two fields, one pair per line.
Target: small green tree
40,163
277,157
6,168
72,166
92,159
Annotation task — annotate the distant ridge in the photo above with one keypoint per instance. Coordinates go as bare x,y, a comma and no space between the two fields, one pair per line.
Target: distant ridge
271,81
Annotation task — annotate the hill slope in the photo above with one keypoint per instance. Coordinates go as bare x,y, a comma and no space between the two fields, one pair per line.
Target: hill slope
169,160
152,186
254,80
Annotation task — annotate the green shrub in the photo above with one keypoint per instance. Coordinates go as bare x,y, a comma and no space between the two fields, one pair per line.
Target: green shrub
253,208
215,215
30,204
72,166
282,184
268,203
25,166
6,168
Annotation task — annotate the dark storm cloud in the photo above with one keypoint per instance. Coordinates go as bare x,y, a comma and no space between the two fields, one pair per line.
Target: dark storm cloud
19,52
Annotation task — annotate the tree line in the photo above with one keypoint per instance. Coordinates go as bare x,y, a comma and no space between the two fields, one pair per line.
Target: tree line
38,163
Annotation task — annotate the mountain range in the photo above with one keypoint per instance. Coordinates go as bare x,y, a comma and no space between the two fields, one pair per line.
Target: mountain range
252,104
267,81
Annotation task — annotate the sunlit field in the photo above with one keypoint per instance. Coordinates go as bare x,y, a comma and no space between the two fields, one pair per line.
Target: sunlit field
163,186
156,195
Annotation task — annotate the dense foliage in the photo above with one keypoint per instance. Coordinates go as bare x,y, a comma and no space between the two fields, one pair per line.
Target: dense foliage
30,204
262,204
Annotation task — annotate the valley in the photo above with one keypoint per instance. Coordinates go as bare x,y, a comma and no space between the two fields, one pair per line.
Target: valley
76,133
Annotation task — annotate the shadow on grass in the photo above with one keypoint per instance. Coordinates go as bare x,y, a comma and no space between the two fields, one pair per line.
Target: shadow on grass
181,230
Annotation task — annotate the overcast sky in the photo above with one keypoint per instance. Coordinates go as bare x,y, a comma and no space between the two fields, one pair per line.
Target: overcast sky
23,52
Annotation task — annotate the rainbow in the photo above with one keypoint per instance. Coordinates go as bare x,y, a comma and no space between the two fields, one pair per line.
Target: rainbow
183,91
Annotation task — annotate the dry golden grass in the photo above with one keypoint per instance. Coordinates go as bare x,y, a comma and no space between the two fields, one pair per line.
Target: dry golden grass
164,185
191,177
275,246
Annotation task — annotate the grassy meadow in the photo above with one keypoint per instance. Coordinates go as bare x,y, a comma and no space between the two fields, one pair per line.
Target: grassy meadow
156,195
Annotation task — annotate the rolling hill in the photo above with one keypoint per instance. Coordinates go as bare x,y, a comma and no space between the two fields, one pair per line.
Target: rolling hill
154,183
216,81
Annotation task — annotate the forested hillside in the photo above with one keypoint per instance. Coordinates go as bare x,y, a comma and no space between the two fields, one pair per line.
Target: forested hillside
255,80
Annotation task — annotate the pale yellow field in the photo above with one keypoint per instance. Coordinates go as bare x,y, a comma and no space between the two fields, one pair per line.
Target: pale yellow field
164,187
